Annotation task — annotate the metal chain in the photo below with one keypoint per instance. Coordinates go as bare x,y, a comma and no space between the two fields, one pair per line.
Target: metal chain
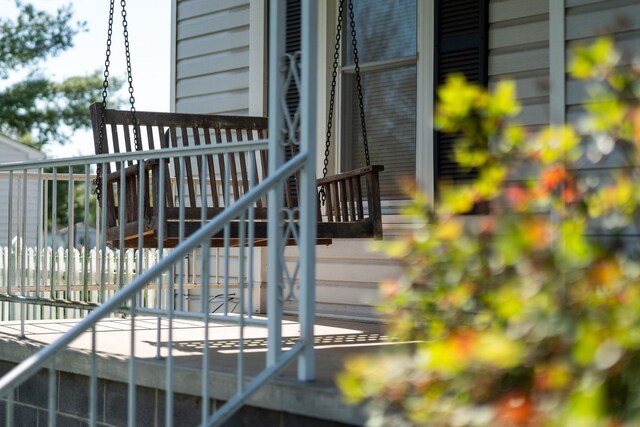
105,85
334,76
132,100
356,62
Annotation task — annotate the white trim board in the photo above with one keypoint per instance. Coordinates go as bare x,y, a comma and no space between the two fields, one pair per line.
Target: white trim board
557,62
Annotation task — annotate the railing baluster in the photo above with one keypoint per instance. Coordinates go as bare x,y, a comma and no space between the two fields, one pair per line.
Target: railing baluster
122,201
241,282
71,270
98,264
93,382
169,364
181,194
22,242
10,408
54,233
161,212
252,231
227,233
11,266
132,383
204,275
103,246
85,245
52,392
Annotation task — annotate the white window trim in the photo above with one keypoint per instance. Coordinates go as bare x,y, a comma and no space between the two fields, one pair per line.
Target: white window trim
557,62
173,56
425,164
258,60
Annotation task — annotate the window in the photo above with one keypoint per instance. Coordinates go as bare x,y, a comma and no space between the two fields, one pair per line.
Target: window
386,41
387,34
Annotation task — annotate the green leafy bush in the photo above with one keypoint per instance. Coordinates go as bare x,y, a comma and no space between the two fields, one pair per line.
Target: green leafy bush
529,315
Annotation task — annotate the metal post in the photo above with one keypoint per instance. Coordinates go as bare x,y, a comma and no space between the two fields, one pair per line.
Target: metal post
276,195
160,203
54,231
11,257
22,242
40,224
93,380
85,247
205,254
182,198
52,392
103,243
71,235
308,199
122,202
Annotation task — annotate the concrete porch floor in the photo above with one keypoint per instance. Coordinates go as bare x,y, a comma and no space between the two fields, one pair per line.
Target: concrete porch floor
335,340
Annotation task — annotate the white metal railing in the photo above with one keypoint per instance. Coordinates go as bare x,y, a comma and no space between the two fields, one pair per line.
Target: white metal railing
129,296
66,281
168,274
45,262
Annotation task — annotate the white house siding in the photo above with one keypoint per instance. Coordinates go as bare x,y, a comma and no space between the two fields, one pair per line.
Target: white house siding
585,21
348,273
211,75
212,56
519,51
588,19
24,211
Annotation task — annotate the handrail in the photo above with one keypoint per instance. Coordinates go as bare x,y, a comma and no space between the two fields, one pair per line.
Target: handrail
36,361
238,146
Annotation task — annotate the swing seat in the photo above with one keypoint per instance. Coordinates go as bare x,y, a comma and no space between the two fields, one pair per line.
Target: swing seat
352,208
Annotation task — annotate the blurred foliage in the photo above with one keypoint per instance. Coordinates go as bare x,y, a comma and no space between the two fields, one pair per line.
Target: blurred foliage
61,200
38,109
530,315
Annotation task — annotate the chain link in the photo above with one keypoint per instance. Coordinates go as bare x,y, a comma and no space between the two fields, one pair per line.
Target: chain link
334,76
97,182
356,62
132,100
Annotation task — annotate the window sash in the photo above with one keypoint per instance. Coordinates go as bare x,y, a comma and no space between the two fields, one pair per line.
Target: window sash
390,144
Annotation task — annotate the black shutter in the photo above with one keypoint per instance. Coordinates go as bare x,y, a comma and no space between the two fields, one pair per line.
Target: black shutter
461,46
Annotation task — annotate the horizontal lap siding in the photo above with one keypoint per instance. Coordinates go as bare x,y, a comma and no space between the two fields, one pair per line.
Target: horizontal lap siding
23,211
589,19
585,21
212,77
20,212
348,274
212,57
519,51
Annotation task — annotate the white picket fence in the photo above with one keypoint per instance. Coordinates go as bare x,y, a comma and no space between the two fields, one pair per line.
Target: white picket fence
74,276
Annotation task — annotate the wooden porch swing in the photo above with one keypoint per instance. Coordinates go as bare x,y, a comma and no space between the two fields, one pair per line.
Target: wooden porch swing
351,199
